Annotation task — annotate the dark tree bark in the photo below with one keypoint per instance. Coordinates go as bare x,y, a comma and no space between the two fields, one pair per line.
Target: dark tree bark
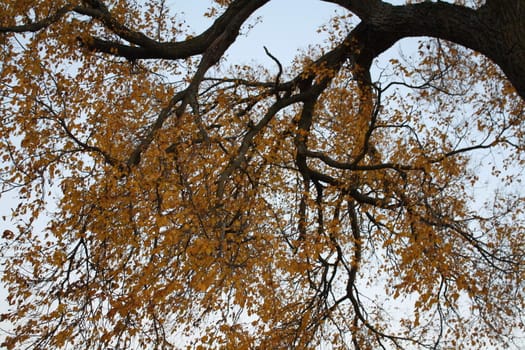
496,29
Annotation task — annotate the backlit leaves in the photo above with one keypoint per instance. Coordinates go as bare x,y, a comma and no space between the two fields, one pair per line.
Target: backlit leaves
172,199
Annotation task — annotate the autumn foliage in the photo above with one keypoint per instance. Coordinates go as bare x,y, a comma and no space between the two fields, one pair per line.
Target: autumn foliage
171,198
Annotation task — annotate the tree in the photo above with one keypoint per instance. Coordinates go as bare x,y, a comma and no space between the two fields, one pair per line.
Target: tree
248,209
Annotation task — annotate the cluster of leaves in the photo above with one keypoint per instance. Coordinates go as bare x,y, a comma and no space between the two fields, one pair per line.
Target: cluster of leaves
247,209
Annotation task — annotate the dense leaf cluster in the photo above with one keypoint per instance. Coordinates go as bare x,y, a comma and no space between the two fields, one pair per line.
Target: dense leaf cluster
169,198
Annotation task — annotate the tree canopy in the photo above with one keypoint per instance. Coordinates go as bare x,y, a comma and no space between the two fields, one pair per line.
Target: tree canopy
169,197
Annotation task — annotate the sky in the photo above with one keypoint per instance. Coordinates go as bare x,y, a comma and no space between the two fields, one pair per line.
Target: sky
284,27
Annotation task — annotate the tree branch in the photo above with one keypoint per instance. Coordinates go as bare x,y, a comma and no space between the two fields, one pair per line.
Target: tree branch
36,26
229,22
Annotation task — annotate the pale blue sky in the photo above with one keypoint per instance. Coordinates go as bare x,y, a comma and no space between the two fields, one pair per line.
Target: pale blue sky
286,25
283,26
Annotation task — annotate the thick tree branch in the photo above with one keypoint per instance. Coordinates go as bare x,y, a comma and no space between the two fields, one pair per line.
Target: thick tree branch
362,8
495,30
229,24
